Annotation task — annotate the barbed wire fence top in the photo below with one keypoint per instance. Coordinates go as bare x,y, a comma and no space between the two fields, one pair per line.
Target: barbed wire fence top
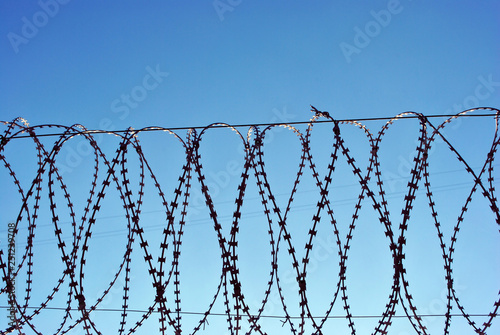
374,226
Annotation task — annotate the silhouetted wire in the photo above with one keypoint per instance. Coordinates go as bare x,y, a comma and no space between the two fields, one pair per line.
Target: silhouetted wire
112,171
245,125
262,316
204,221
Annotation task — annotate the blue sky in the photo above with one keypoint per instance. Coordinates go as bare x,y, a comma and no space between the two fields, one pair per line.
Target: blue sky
171,63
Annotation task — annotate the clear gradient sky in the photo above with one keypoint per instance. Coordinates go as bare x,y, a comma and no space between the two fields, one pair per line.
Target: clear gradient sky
114,64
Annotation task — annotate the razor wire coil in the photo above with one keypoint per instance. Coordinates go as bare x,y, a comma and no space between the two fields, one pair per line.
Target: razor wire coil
164,272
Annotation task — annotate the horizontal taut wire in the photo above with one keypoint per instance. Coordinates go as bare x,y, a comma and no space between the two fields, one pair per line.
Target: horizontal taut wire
154,128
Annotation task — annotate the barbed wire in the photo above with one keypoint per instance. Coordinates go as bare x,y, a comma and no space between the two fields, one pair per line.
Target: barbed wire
165,273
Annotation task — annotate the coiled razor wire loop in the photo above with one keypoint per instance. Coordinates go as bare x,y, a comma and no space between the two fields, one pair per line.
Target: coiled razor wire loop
164,272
